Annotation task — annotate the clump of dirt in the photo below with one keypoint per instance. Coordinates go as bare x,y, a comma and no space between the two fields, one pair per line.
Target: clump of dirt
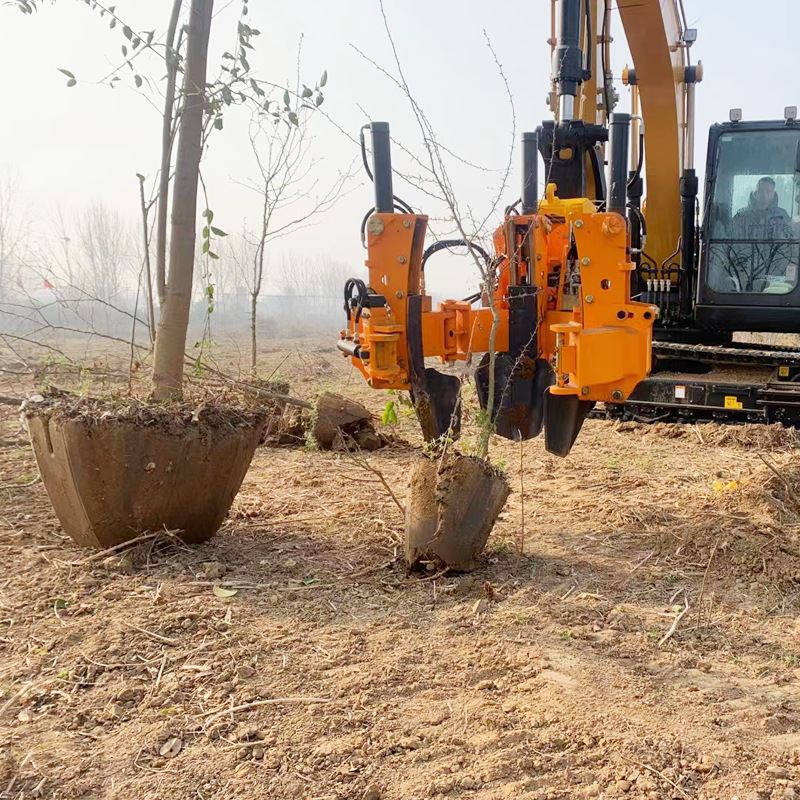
343,424
288,419
287,428
453,503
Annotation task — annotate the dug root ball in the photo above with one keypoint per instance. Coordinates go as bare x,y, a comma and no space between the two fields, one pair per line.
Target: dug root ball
344,424
453,504
116,469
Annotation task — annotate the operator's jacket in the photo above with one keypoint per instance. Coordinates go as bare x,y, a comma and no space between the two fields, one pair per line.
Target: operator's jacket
747,267
767,224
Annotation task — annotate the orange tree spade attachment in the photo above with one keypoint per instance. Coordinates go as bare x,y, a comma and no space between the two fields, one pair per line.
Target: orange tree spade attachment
569,334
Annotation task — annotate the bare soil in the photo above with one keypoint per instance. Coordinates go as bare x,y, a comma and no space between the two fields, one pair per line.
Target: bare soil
572,669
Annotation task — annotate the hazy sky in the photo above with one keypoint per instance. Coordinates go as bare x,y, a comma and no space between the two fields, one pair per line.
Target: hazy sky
70,146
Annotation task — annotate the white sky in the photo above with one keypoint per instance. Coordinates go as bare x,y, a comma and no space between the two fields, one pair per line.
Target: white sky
72,146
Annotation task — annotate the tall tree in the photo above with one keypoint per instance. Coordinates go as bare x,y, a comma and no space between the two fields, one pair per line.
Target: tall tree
174,320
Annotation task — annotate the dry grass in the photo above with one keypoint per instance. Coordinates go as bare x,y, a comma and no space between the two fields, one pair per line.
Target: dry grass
331,672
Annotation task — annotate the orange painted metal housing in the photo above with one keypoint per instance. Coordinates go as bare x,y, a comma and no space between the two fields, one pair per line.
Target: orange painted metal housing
597,339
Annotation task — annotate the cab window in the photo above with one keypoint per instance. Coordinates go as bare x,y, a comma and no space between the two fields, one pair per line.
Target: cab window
753,215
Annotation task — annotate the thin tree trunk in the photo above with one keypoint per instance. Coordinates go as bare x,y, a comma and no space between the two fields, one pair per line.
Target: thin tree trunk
151,313
166,153
258,276
174,321
253,341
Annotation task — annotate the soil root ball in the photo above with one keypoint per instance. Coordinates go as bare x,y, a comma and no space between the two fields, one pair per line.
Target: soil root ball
344,424
453,504
114,470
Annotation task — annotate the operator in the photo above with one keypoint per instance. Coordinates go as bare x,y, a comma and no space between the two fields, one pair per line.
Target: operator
763,218
767,266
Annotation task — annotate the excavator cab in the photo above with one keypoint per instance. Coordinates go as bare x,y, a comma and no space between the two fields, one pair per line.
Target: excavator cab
750,238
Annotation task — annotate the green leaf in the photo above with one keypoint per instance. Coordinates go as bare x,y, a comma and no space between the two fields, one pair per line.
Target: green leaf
293,118
212,254
218,232
307,92
205,232
223,593
218,123
389,415
318,99
324,79
286,98
244,61
127,32
66,72
124,51
209,215
206,245
71,82
137,79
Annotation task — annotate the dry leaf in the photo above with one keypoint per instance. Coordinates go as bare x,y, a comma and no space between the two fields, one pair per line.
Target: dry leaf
223,593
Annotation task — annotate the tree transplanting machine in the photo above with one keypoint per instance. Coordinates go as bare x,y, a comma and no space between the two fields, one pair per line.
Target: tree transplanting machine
613,287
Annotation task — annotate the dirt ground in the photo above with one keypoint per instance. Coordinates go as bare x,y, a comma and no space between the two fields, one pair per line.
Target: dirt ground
572,669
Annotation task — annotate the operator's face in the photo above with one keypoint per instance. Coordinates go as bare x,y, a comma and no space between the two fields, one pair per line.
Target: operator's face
765,193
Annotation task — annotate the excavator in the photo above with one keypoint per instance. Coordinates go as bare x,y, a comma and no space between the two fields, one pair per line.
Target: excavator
614,292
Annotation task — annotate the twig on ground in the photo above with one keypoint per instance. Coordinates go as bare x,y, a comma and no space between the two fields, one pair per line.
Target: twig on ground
20,485
790,492
678,617
213,716
521,498
14,697
703,584
660,775
361,461
157,637
101,554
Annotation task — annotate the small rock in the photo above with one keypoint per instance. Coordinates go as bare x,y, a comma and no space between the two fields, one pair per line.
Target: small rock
258,752
481,606
245,671
150,466
213,570
372,792
777,771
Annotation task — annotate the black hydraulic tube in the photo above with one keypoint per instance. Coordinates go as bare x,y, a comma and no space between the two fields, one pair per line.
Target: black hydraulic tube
530,172
568,56
619,132
689,190
382,167
635,193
